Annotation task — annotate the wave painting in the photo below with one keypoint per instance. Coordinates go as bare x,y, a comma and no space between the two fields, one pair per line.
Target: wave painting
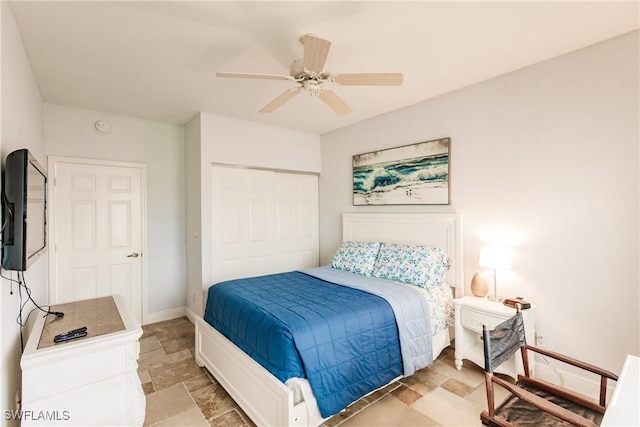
423,178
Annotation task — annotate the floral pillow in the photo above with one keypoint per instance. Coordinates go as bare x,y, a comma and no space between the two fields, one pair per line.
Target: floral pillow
356,257
422,266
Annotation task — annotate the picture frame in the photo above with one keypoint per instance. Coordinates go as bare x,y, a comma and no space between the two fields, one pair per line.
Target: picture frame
415,174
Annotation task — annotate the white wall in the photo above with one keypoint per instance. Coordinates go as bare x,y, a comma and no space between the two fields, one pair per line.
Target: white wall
225,140
544,160
21,127
70,132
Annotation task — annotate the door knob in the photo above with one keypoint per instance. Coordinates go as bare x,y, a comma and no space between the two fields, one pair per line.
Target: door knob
133,255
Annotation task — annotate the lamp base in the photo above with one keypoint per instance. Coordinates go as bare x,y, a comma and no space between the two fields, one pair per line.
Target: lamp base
495,297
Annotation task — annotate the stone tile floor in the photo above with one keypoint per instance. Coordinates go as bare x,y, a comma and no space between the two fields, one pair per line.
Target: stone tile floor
179,393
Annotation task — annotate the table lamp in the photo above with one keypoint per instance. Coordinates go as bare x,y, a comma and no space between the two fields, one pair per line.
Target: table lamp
496,258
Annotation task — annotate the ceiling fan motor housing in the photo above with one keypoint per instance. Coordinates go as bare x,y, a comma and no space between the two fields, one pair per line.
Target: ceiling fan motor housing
298,72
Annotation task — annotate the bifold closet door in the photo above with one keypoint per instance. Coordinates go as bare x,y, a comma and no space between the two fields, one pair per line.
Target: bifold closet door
263,222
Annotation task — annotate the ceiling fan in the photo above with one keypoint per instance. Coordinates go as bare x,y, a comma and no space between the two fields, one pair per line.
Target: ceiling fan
308,72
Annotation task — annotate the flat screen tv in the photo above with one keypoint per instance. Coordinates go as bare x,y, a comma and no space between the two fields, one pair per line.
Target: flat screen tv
24,213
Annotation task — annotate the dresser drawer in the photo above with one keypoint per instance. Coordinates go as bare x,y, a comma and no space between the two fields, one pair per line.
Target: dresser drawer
474,320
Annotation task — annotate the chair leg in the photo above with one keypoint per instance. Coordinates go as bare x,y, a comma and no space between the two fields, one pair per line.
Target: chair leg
488,382
525,360
493,421
603,391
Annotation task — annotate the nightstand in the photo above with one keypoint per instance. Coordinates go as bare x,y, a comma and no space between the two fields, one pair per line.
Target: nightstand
471,314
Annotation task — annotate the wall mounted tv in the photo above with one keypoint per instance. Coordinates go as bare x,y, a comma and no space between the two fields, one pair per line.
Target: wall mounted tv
24,211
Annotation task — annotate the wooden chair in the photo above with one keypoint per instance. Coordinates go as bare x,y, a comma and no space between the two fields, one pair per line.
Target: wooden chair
532,401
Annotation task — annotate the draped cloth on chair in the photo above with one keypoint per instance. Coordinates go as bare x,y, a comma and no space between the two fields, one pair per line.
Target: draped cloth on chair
503,341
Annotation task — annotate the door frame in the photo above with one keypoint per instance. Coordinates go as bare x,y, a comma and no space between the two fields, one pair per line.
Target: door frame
52,162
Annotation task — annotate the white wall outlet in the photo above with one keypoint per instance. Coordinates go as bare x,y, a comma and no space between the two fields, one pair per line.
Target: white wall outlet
539,339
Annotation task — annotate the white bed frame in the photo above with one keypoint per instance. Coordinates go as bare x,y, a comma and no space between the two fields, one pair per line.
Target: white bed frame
266,400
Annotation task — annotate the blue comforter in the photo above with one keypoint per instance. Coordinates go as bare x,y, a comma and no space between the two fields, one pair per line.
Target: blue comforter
343,340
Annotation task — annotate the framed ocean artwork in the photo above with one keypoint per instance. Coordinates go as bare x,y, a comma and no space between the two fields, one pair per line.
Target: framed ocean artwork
416,174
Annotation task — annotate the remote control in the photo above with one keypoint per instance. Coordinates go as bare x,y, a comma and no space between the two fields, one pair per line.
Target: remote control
82,329
67,337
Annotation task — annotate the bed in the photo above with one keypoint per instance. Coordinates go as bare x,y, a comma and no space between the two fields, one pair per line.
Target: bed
262,394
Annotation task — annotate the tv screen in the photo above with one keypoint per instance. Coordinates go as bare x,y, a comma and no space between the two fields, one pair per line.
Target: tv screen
24,200
36,191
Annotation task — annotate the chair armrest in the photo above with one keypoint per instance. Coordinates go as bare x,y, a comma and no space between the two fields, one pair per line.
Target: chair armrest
543,404
574,362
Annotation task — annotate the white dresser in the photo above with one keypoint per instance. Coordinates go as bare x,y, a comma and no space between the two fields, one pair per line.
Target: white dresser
87,381
623,408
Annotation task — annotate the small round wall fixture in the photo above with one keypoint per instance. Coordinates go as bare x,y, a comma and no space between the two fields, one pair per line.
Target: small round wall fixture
102,126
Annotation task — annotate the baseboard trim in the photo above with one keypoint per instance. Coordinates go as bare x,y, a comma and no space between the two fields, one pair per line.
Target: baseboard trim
191,315
161,316
583,385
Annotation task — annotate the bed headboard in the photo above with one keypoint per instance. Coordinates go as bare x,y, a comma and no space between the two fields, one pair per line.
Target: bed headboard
443,230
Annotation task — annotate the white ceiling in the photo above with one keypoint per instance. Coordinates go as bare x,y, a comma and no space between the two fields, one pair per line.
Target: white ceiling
157,60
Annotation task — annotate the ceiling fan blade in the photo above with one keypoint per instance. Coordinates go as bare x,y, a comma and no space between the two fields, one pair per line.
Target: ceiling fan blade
315,52
280,100
253,76
334,102
369,79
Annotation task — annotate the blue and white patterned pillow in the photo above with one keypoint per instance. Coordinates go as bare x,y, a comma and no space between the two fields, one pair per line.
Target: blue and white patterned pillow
356,257
422,266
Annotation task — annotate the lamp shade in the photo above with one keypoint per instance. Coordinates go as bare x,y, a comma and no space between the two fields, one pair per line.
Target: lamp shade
494,257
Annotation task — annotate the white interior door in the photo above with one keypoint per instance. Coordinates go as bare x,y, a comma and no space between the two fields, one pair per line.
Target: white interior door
97,232
263,222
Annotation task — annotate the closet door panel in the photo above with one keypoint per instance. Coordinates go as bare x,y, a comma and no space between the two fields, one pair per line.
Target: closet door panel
263,222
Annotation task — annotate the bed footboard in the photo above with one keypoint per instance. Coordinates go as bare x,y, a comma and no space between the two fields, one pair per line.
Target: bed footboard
266,400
